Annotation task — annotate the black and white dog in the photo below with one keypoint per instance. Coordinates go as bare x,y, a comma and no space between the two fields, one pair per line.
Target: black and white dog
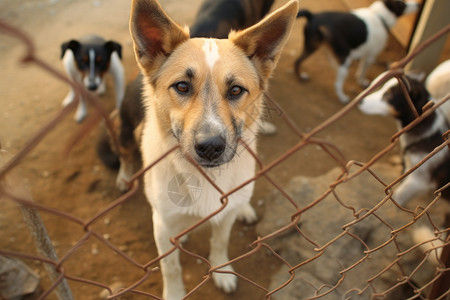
216,18
419,141
361,34
87,60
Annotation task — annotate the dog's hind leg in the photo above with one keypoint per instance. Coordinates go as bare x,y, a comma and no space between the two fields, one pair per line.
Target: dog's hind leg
219,253
302,76
313,40
364,64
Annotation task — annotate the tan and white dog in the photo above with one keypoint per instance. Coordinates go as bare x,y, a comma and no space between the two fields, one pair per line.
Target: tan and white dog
204,95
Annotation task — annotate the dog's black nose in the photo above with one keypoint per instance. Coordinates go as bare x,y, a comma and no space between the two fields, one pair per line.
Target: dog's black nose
92,87
211,148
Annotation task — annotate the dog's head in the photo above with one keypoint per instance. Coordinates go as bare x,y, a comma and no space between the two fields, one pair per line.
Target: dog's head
400,7
207,93
389,10
91,55
391,100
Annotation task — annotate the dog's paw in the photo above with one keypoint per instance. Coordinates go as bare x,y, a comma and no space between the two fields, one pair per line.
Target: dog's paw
225,281
267,128
79,116
344,98
122,185
247,214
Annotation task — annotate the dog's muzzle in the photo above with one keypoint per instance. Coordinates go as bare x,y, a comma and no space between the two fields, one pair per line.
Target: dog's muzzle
212,143
92,86
211,149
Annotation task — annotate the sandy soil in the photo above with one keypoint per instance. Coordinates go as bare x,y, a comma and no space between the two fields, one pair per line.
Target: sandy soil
78,184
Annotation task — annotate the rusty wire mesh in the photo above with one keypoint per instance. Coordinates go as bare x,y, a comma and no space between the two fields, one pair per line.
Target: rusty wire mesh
149,268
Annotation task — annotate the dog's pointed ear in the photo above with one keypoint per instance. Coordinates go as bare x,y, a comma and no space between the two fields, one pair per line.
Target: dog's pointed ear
72,45
263,42
155,36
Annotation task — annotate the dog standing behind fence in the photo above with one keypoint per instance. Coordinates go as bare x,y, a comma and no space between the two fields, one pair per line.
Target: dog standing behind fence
198,95
86,61
417,142
215,19
361,34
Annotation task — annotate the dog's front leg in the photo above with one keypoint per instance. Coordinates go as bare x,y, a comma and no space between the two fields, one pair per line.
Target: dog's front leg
69,98
173,288
219,253
117,73
75,75
81,110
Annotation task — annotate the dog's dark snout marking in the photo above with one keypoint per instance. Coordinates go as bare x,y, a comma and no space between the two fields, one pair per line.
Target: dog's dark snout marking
211,148
92,87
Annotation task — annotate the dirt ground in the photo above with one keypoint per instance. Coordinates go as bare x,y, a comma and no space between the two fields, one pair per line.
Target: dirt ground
78,184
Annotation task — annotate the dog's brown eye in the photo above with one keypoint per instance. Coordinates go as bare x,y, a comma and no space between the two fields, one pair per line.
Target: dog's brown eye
235,92
182,88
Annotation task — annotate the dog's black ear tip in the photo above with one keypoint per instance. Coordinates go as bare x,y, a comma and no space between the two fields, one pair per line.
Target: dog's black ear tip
64,47
72,44
114,46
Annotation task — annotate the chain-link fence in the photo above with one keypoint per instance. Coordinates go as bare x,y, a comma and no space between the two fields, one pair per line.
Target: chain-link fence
370,253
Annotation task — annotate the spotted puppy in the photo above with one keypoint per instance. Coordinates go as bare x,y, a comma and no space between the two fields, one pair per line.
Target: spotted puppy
86,61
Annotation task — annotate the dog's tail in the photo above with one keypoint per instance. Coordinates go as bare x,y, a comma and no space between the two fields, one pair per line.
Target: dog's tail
105,150
305,13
